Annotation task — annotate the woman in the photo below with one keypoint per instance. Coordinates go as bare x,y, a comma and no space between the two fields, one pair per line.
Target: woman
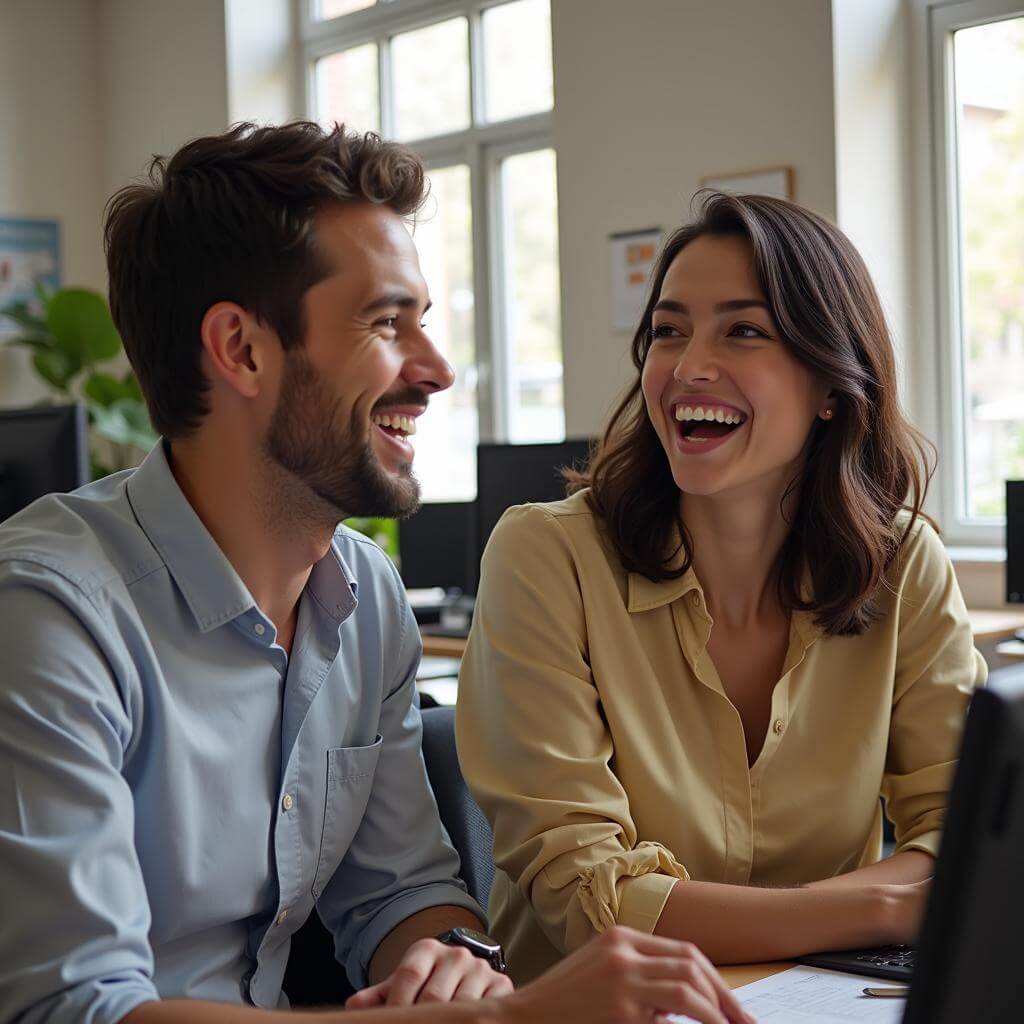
689,683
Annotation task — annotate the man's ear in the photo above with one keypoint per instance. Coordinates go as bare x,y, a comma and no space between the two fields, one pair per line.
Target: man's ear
233,340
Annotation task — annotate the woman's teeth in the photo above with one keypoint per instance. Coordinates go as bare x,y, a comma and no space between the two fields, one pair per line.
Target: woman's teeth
685,413
403,424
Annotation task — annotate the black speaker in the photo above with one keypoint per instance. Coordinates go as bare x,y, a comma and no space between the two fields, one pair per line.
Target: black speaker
1015,541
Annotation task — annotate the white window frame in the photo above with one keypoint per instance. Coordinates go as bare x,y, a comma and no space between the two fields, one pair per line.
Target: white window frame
482,147
940,253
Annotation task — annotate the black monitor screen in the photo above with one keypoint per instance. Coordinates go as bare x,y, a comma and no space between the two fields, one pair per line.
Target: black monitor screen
42,449
511,474
437,546
968,962
1015,541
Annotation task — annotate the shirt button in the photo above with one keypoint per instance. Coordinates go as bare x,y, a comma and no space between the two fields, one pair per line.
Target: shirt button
282,916
696,600
287,803
778,726
259,629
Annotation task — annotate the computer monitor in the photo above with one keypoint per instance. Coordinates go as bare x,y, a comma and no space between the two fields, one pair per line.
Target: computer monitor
1015,541
437,546
968,961
511,474
42,449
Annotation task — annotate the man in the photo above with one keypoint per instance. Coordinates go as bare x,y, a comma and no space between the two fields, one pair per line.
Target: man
208,723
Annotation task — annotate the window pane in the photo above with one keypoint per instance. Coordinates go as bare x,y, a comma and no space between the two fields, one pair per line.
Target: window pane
431,79
532,297
335,8
517,59
446,438
989,70
346,88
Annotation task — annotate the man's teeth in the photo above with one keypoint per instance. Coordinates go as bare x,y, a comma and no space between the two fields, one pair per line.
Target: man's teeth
406,424
707,412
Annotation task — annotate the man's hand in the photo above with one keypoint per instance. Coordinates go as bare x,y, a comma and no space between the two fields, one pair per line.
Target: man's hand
431,972
623,976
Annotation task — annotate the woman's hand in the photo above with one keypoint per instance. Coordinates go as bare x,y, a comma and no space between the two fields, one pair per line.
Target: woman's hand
624,976
431,972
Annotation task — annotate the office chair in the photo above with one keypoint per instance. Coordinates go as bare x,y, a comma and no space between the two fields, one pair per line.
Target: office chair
313,976
462,818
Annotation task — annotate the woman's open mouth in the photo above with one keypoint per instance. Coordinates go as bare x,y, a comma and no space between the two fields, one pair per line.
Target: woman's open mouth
702,428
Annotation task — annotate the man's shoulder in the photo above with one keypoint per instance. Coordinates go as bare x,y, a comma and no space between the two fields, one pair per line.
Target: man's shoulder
89,538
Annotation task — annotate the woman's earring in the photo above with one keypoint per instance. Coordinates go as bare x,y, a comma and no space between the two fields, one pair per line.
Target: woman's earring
827,414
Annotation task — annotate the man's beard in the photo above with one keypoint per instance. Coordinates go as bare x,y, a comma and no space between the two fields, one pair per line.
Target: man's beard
337,465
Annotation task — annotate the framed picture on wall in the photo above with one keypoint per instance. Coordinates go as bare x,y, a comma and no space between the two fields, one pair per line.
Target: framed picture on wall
766,181
29,255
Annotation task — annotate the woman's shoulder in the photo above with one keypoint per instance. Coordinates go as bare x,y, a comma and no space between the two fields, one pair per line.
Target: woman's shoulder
923,560
570,524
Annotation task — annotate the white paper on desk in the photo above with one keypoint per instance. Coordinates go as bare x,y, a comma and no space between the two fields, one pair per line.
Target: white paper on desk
810,995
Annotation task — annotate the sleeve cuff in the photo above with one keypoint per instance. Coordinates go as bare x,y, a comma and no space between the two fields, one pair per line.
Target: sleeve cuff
393,913
630,888
927,842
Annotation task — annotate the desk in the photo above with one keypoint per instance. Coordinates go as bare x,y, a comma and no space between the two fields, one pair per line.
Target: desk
744,974
994,624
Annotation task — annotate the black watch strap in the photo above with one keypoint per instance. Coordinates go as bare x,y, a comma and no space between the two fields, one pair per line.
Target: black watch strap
478,944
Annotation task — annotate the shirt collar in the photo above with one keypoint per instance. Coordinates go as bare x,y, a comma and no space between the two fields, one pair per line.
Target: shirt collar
645,594
212,589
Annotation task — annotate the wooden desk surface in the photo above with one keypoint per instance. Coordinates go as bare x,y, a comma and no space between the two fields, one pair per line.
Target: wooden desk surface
986,624
994,624
744,974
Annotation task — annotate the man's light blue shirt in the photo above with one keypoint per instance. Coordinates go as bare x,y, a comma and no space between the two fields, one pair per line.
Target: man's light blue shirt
176,793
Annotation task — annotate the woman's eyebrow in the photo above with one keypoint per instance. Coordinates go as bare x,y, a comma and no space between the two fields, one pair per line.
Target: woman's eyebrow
728,306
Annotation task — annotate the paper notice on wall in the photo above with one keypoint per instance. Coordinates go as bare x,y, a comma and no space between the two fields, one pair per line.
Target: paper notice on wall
810,995
632,258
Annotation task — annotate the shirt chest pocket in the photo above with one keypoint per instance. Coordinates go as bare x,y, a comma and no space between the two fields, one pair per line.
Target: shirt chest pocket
349,782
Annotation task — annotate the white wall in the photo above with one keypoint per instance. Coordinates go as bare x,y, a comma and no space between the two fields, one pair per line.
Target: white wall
650,97
873,154
163,80
89,91
49,143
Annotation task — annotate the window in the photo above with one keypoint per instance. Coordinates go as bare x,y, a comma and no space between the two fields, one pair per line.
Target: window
468,85
978,104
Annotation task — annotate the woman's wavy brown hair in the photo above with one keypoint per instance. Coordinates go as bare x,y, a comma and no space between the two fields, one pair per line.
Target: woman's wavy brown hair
862,467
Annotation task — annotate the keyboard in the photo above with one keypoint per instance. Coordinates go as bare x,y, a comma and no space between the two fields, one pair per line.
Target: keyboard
893,962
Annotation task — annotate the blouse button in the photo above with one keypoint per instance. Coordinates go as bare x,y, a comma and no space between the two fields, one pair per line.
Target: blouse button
778,726
259,629
696,600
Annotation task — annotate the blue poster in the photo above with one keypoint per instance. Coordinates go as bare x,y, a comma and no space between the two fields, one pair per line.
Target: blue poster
29,252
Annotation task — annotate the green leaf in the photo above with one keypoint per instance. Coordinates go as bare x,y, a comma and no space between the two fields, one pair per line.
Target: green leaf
124,421
39,342
24,317
132,389
105,389
80,321
56,368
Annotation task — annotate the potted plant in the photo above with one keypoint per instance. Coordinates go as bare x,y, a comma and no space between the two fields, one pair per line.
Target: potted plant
70,339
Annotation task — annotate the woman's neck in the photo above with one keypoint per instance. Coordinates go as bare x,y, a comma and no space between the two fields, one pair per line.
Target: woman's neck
736,541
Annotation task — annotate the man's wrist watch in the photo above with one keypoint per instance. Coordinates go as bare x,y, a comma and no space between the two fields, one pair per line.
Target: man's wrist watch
478,944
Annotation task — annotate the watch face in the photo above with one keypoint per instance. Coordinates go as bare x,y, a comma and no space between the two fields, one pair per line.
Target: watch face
475,936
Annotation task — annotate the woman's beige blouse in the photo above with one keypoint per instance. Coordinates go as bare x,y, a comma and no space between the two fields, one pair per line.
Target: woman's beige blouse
595,733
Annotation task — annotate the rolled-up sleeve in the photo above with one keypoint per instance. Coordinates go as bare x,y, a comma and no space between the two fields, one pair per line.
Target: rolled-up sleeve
937,667
400,861
537,752
75,920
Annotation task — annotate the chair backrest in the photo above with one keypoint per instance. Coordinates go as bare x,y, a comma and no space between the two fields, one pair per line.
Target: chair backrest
465,822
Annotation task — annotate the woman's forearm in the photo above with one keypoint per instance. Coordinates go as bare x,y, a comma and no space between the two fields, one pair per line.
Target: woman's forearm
741,924
901,869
